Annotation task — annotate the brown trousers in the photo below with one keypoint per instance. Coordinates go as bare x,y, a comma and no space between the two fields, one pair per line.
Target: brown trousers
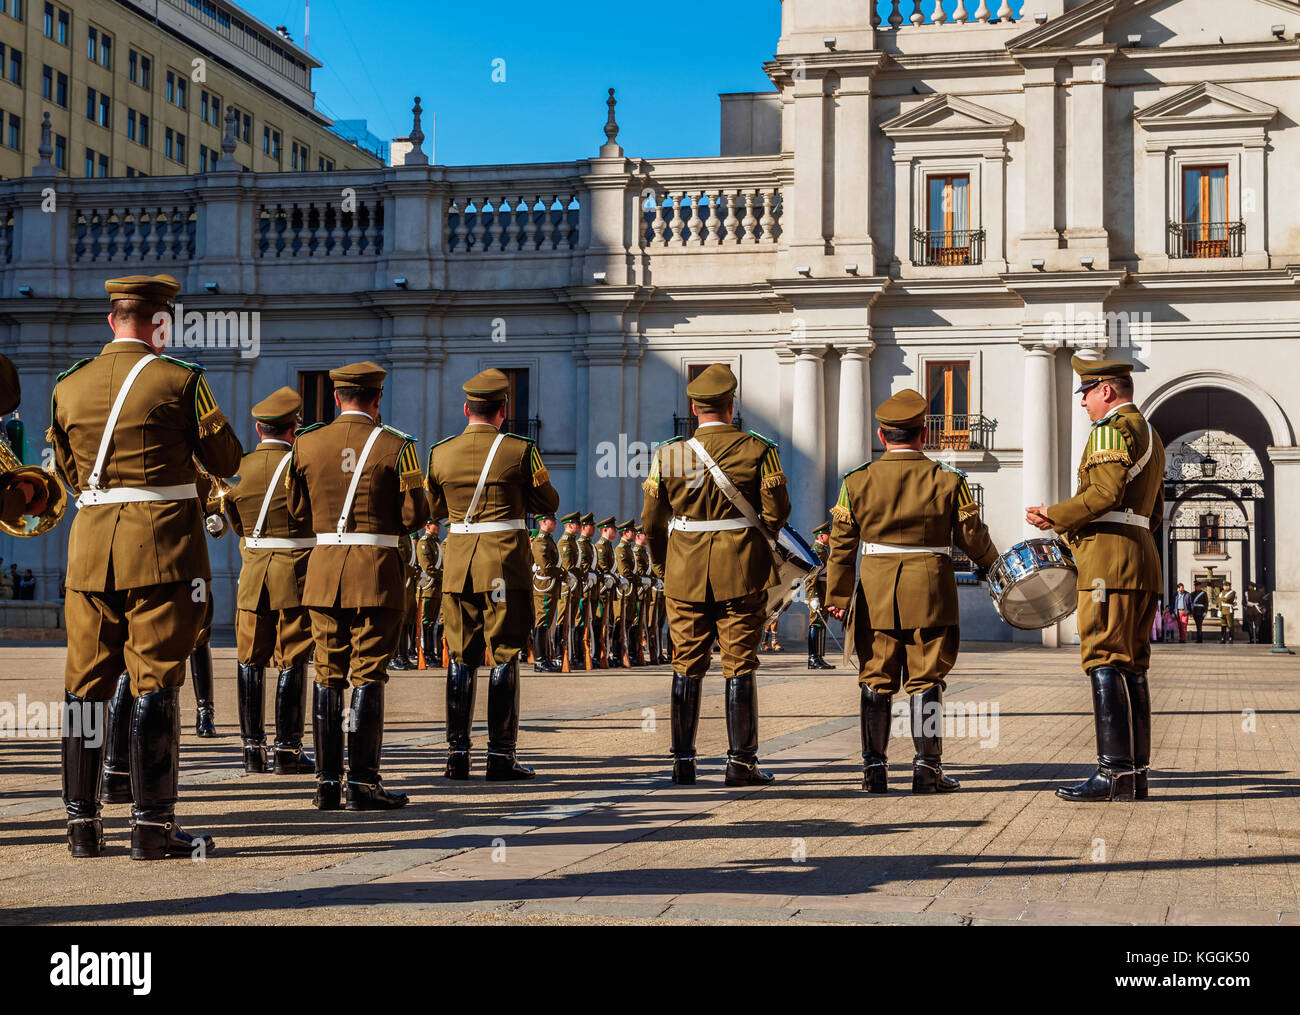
926,654
1116,630
264,635
149,633
475,622
354,644
736,624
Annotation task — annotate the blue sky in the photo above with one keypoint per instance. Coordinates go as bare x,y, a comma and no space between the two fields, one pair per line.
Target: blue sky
668,61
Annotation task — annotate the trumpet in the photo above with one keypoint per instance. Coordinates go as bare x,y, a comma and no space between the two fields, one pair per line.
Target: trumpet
12,471
214,508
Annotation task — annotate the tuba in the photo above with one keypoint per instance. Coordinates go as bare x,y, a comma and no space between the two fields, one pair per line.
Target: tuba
56,498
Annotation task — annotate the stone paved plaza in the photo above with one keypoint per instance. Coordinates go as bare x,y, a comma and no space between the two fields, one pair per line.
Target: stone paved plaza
602,836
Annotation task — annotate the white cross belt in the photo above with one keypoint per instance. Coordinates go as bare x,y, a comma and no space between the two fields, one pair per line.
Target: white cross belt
279,543
356,539
717,525
1125,518
873,549
138,494
484,528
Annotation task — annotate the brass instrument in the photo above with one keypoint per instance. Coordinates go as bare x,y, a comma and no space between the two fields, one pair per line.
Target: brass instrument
215,505
56,498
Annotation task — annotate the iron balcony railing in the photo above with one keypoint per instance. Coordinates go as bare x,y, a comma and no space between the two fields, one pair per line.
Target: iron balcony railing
684,426
947,248
967,432
530,428
1207,239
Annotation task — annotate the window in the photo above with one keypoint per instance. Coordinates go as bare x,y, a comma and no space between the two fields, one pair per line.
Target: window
180,148
271,142
56,24
325,165
180,93
133,67
169,143
146,73
15,131
103,167
92,44
91,104
170,93
60,152
518,420
300,157
90,164
210,109
248,129
61,91
317,391
1208,541
948,395
105,118
144,130
106,51
16,67
947,239
1206,230
47,82
130,124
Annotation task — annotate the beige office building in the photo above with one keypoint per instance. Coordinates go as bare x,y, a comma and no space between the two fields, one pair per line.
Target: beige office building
141,88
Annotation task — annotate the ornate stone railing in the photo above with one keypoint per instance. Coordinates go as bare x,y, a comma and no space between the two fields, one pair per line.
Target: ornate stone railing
321,228
712,204
134,235
889,13
512,210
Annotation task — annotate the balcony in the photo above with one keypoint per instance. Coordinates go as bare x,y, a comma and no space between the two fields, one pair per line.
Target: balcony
1206,239
684,426
969,432
947,249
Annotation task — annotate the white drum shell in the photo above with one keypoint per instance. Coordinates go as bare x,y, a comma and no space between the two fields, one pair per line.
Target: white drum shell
1034,584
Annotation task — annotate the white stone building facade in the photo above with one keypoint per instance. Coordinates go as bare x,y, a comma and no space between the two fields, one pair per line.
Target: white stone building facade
956,206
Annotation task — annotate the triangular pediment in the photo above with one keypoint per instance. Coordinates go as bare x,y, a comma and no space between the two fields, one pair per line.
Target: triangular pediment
1206,104
946,115
1157,23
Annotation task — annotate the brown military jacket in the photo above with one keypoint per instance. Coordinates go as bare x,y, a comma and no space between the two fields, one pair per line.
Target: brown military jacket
428,554
546,561
281,573
903,499
389,501
1123,557
517,485
169,418
721,565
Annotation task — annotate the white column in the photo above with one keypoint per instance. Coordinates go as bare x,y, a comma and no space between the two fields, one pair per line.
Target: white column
1038,425
855,407
1286,551
808,490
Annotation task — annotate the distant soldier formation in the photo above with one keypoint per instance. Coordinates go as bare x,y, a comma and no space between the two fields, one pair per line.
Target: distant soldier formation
361,555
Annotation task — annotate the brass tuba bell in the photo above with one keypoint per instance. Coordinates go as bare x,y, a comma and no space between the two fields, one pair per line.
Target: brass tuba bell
56,498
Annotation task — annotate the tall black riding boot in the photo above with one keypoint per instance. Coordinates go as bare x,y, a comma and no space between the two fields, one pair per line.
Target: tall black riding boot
155,779
1114,778
817,647
117,745
83,766
250,688
665,647
687,694
874,712
327,733
290,720
201,674
615,641
821,647
365,743
461,683
542,661
927,738
1139,701
503,725
742,733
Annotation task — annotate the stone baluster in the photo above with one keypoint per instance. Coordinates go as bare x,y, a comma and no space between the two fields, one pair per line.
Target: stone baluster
512,225
895,16
983,14
566,227
658,225
479,234
499,207
315,244
370,233
1004,12
750,221
959,15
875,14
714,224
530,222
548,223
676,223
732,223
768,222
695,224
917,18
462,226
939,16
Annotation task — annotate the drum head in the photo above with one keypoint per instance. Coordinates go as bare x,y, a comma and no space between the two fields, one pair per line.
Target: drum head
1040,599
789,540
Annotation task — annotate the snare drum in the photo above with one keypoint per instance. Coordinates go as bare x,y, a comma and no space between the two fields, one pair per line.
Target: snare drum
795,561
1035,584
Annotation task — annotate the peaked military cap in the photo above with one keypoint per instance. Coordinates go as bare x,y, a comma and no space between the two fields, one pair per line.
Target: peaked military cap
823,527
716,385
606,523
904,411
627,526
279,408
359,375
572,518
588,519
1093,371
489,386
154,288
544,515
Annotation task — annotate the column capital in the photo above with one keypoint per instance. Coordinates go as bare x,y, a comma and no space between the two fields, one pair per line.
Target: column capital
856,350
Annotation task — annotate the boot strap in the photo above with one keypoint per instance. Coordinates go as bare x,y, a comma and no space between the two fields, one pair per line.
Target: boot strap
926,764
751,765
364,785
84,821
135,823
874,764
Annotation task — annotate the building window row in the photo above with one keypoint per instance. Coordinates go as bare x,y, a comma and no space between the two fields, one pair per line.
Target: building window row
174,146
210,109
14,8
57,24
176,90
11,126
140,70
54,87
15,65
99,108
137,127
99,48
96,165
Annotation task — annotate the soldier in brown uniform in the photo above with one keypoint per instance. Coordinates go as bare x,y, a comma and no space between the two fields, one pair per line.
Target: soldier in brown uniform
486,482
404,658
717,566
901,515
356,484
271,622
628,598
604,594
548,579
212,494
588,581
1109,525
815,594
569,591
652,603
428,554
126,428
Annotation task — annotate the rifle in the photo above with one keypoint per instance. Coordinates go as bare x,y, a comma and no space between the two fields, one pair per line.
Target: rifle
566,661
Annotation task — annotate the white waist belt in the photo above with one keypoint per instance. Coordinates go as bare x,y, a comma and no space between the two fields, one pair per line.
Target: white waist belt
484,528
356,539
138,494
872,549
720,525
1125,518
279,543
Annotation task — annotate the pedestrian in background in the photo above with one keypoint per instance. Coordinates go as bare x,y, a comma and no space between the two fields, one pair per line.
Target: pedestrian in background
1200,603
1182,610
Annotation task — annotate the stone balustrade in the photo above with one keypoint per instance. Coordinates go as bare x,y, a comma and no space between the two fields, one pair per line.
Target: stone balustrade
697,204
941,12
